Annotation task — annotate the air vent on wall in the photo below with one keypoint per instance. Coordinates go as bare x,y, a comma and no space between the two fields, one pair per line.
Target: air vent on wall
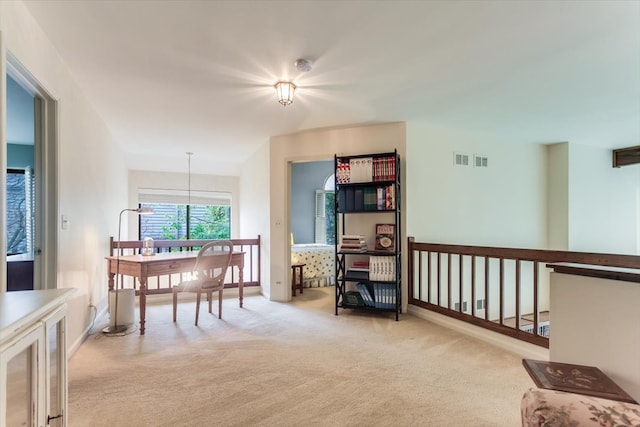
460,159
480,161
456,306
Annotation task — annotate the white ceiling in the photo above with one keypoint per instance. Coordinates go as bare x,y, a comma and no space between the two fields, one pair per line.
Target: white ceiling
174,76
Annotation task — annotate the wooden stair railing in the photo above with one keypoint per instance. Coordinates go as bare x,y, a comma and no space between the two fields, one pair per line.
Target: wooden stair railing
519,282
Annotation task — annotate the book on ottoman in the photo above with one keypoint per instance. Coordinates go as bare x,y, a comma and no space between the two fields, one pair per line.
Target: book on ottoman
587,380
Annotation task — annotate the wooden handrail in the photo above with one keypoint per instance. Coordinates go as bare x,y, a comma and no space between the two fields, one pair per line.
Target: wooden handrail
540,255
507,313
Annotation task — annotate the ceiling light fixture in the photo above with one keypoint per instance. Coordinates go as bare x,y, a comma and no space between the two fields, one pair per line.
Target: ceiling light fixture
285,92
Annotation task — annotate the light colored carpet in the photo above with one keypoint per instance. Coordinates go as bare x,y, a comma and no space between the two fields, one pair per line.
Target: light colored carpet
292,364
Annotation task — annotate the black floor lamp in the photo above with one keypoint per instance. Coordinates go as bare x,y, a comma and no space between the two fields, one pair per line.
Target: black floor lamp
116,329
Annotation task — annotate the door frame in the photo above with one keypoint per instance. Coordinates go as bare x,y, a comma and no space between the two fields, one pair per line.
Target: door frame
45,172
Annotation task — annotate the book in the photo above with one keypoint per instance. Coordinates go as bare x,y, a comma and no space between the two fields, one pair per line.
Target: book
385,198
360,169
366,296
358,199
343,172
384,169
353,299
349,205
382,268
587,380
384,295
353,243
385,237
355,276
390,199
360,266
370,199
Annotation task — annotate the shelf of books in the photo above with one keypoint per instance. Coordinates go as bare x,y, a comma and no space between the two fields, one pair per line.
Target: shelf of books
368,265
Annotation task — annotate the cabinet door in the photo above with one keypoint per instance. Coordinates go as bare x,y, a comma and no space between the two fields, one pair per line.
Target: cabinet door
21,376
56,373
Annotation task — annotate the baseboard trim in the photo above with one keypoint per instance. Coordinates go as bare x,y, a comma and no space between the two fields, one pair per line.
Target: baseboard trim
522,348
85,334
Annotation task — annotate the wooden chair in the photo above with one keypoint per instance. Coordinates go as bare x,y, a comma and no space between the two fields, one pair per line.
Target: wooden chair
207,276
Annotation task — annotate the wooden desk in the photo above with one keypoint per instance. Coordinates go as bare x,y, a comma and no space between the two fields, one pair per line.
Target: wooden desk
162,264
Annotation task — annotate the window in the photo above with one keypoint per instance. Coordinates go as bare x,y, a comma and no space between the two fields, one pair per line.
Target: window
20,202
179,222
325,220
208,216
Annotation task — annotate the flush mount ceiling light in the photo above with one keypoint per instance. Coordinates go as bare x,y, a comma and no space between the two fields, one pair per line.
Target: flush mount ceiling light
285,92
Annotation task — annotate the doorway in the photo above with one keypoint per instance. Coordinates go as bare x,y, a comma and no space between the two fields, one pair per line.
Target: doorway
312,221
30,177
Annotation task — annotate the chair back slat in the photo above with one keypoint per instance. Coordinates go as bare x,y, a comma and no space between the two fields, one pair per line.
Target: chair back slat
212,262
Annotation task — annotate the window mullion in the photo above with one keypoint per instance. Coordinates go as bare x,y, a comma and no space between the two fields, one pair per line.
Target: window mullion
188,225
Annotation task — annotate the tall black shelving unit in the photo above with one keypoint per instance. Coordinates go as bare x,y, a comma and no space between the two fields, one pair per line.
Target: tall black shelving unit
368,184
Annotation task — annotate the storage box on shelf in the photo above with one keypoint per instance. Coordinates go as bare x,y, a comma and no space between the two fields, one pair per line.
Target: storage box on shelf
368,276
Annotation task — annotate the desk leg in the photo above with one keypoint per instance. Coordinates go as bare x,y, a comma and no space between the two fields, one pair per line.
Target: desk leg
110,281
240,284
143,303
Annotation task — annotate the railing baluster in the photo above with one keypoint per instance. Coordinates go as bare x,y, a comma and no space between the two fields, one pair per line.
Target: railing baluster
535,298
522,283
411,257
428,276
460,293
501,291
473,285
449,281
250,261
486,288
439,284
517,294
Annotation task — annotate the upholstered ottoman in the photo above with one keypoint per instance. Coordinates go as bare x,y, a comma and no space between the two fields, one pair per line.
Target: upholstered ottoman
551,408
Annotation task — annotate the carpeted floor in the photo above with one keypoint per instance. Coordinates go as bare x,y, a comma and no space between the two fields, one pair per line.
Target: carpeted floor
292,364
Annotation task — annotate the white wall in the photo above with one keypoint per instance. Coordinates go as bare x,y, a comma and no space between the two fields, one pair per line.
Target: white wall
594,322
558,196
180,181
603,202
501,205
92,177
319,144
254,208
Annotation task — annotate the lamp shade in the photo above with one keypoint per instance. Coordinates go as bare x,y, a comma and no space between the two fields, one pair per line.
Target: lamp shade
285,92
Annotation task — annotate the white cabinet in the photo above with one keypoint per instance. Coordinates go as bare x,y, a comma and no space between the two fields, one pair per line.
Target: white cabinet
33,358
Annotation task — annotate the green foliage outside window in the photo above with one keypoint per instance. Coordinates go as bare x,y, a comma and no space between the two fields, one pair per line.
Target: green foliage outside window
213,223
170,222
329,203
